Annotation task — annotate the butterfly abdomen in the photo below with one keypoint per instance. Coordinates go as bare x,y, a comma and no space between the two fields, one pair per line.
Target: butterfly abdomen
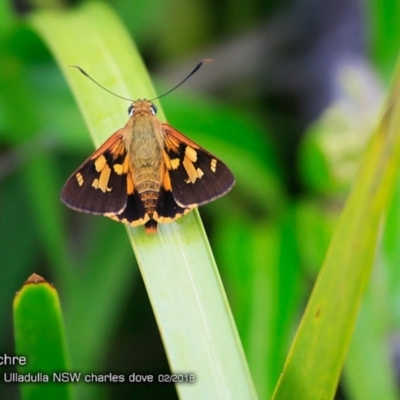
148,183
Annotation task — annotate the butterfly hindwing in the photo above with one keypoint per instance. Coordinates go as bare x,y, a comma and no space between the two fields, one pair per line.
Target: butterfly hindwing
134,212
196,176
167,208
99,185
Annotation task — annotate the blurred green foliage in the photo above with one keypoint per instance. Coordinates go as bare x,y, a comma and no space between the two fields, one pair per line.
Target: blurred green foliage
269,243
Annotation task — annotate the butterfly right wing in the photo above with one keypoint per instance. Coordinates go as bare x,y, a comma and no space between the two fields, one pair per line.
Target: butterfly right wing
196,176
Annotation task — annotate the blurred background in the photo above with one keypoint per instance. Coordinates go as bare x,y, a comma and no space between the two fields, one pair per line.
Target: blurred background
288,103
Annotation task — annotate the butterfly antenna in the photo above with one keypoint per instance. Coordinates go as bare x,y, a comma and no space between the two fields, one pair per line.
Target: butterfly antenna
195,69
98,84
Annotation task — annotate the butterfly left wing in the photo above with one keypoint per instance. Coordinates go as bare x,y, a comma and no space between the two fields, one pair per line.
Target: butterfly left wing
195,176
103,184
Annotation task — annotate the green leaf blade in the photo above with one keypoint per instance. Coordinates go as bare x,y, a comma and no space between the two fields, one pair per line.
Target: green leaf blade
39,336
326,329
177,265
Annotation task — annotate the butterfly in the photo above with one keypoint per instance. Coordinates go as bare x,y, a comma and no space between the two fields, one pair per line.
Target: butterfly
146,173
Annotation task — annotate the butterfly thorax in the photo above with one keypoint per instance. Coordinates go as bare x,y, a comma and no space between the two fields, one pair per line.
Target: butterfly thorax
145,150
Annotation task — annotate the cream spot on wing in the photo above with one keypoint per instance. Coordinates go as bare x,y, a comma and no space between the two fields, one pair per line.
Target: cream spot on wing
95,183
191,153
102,182
175,163
190,169
118,168
213,165
200,173
79,178
100,163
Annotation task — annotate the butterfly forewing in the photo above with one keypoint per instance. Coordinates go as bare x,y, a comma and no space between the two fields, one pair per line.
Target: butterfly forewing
197,177
99,185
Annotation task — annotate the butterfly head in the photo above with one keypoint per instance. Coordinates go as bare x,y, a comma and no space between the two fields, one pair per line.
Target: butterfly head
142,107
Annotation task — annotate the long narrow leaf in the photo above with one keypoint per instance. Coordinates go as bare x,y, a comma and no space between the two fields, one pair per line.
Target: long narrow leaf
315,360
39,336
177,265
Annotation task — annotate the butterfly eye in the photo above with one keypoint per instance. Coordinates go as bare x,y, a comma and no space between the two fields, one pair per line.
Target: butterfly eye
154,108
130,110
